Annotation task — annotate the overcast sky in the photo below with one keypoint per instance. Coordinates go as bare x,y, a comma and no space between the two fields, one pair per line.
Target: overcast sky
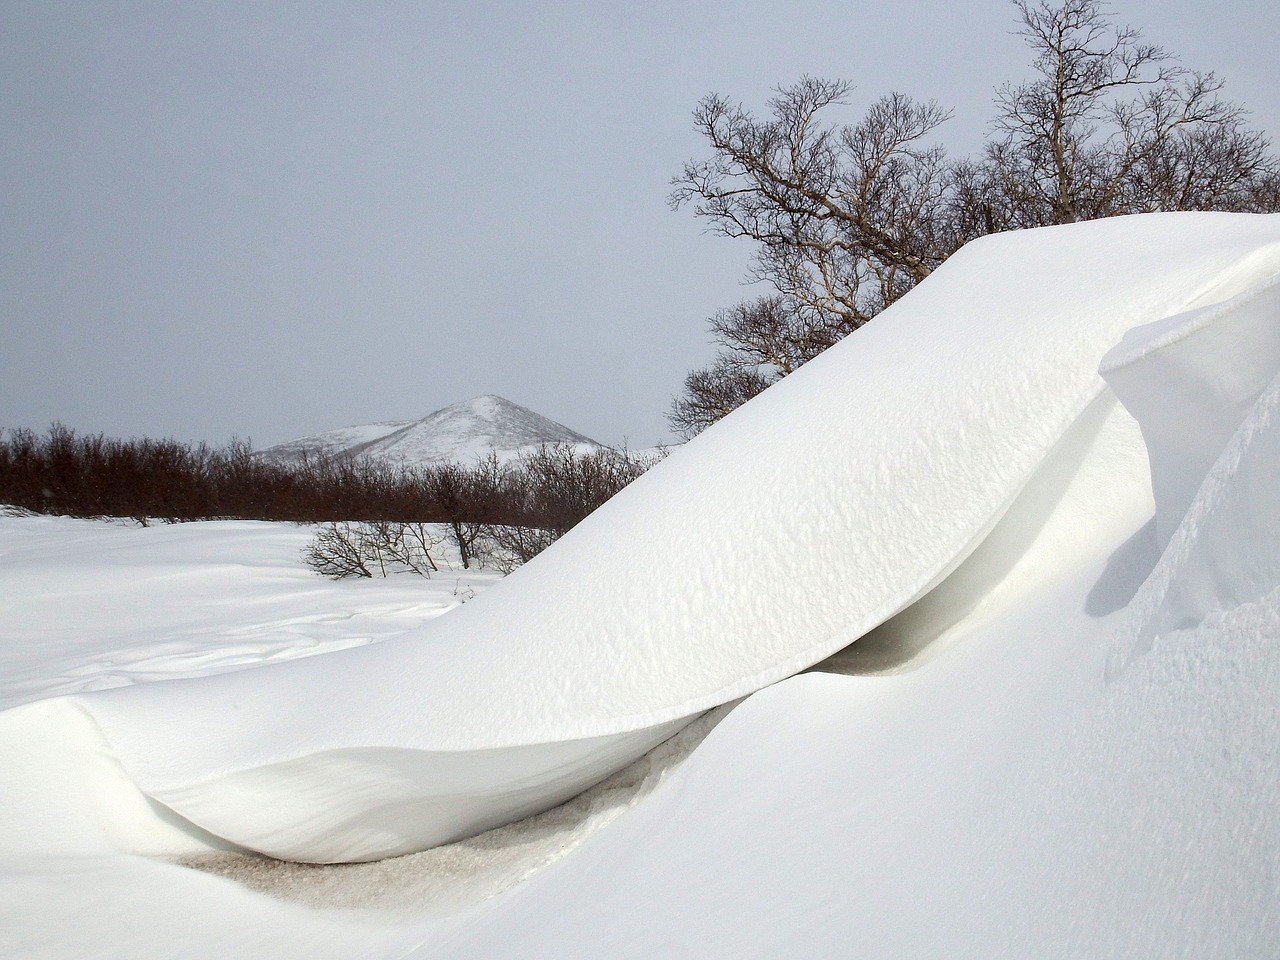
266,219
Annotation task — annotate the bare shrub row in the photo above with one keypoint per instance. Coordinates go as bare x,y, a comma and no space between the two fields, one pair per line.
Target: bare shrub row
500,512
494,514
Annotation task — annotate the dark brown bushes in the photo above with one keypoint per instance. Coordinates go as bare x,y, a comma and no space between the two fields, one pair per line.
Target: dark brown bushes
507,511
61,472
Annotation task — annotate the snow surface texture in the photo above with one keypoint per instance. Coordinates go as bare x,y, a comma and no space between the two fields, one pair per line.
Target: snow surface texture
983,795
1007,804
1190,379
1224,552
460,433
873,473
84,608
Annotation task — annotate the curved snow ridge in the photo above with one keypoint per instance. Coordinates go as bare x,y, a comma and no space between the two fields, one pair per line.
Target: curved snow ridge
1084,503
1190,381
809,516
66,793
367,803
1225,554
355,804
1205,389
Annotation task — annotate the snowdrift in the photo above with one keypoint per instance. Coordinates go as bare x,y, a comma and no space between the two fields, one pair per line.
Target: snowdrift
1205,388
1007,803
899,477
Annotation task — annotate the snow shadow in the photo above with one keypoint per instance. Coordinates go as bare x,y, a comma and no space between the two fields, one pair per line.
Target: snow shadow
1127,567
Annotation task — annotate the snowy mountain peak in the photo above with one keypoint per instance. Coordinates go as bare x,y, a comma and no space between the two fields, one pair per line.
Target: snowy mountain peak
461,432
471,429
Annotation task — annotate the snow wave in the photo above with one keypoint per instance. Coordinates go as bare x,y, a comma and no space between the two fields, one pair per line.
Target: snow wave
1220,440
871,475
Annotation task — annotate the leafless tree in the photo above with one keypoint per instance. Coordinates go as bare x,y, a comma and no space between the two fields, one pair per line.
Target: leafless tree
546,492
466,499
507,546
712,393
847,218
356,549
416,544
760,341
1110,124
338,551
844,216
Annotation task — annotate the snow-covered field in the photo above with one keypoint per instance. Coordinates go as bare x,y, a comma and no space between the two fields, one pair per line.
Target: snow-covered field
1042,606
88,605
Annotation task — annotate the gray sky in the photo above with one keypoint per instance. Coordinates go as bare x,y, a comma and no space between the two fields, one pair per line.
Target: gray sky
266,219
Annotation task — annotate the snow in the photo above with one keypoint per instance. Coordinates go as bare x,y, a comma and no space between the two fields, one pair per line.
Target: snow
1055,737
1190,379
961,390
89,606
1001,801
334,443
1225,554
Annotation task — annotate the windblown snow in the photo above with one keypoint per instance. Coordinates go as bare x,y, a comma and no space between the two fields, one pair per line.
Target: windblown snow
1053,736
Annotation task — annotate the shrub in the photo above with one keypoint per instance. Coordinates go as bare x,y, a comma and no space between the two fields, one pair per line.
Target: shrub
345,549
375,515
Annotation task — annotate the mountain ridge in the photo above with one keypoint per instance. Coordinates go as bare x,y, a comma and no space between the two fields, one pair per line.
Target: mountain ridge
461,432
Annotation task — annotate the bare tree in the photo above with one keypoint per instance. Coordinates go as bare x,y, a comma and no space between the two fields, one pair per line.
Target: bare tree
847,218
547,491
712,393
1112,125
844,215
415,544
467,499
355,549
760,341
338,550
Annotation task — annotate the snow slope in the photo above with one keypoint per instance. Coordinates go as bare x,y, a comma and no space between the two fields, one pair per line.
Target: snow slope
461,432
1004,801
1064,747
874,472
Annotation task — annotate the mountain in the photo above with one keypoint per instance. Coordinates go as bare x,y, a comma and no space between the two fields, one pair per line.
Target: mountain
461,432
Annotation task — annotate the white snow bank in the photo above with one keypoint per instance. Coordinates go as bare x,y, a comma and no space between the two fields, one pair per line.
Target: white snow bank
1095,479
990,797
67,891
1205,388
448,879
808,517
1225,554
1190,379
999,801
